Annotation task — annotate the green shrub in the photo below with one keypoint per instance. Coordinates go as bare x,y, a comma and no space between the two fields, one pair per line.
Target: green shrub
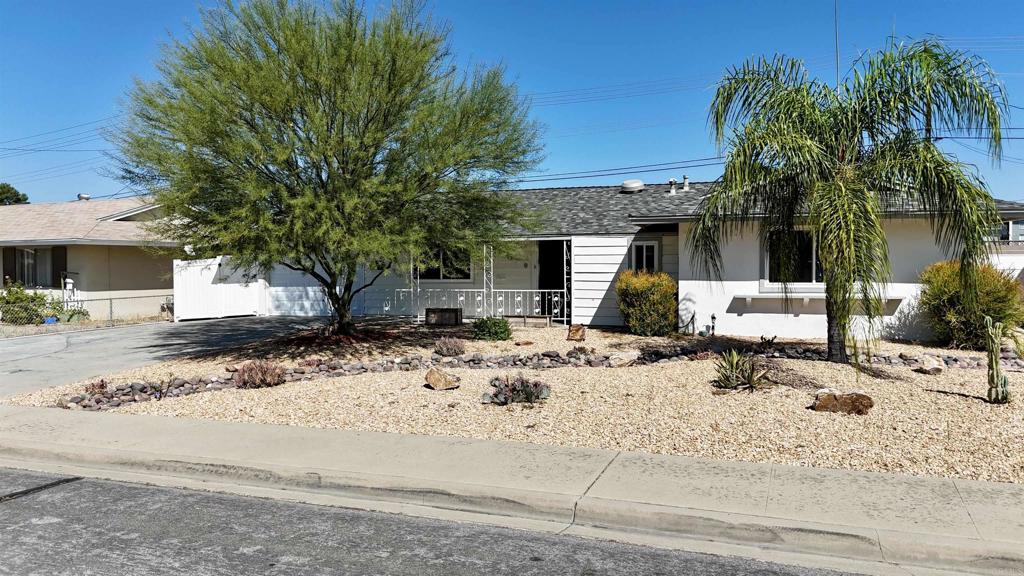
647,302
259,374
505,390
19,306
492,329
738,372
998,296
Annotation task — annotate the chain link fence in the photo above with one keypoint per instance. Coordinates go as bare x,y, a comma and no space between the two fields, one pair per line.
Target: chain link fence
42,315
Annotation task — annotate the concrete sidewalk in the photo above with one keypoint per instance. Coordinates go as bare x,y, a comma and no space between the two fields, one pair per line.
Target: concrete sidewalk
891,524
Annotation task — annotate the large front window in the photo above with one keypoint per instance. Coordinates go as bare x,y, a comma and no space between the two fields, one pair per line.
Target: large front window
802,265
33,267
451,266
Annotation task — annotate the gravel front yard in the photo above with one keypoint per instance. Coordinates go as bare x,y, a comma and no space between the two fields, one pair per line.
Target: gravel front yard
920,424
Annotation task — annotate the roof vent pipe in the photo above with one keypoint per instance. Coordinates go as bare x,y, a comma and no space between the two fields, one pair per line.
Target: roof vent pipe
632,186
686,183
671,186
84,196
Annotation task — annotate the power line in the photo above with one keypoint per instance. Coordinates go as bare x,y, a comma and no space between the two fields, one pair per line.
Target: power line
617,172
64,166
60,129
633,167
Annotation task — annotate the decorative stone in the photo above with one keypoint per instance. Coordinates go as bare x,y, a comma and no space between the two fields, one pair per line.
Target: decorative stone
440,380
622,359
577,333
930,366
828,400
524,343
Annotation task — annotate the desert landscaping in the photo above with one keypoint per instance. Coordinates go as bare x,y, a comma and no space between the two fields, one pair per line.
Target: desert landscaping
614,391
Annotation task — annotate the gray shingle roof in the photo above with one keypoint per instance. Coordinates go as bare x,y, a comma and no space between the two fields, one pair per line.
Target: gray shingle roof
606,210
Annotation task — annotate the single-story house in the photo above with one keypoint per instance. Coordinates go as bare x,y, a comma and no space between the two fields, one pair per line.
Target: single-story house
91,252
566,270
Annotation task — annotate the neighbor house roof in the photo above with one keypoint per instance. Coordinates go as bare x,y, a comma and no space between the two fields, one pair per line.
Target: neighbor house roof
78,222
607,210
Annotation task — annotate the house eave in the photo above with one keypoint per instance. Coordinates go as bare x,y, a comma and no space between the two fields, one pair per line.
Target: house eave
86,242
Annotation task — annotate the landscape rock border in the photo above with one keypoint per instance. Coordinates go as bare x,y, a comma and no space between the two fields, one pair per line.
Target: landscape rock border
146,391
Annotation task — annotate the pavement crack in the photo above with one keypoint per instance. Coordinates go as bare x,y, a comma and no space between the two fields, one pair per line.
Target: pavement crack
572,521
40,488
966,509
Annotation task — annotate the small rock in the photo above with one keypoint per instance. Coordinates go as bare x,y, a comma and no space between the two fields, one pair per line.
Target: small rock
440,380
828,400
524,343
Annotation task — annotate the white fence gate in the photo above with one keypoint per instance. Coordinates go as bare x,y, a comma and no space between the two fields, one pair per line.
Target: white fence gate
209,288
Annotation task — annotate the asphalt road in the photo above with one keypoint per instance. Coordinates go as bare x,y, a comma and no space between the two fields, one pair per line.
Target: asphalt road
99,528
33,362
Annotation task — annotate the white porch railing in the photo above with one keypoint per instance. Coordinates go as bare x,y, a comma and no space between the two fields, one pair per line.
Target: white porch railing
478,303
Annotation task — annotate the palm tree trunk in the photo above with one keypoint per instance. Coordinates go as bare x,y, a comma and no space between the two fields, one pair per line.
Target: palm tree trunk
836,333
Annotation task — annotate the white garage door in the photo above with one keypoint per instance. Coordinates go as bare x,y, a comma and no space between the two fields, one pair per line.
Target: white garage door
209,288
294,293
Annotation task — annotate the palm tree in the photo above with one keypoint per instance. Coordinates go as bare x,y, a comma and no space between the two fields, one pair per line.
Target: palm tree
837,161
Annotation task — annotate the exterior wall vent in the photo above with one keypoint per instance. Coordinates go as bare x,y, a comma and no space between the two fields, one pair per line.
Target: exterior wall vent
632,186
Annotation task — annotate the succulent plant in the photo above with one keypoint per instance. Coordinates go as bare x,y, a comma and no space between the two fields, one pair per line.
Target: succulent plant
506,390
738,372
998,383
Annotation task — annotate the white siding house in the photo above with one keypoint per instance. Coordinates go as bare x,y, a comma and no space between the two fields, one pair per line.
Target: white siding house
591,234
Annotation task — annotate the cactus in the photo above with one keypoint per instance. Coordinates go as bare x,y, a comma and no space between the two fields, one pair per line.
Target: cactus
998,384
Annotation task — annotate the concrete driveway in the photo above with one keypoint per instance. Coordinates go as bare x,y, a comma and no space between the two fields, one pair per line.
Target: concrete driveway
36,362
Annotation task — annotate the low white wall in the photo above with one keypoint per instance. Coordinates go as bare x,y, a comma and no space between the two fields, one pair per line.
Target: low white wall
911,249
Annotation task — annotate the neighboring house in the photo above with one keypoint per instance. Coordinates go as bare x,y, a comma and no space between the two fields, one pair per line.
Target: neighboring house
86,251
589,235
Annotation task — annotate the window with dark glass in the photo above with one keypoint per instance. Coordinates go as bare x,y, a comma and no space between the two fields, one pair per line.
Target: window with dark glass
803,265
645,256
451,266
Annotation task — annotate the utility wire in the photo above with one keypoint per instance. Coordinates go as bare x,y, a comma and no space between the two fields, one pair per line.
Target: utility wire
60,129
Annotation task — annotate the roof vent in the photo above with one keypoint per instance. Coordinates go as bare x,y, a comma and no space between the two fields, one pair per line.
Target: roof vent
671,186
84,196
632,186
686,183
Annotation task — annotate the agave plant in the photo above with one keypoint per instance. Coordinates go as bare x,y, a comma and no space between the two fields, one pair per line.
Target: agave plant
738,372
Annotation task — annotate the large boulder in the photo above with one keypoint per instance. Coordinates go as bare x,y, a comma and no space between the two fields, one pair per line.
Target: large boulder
828,400
440,380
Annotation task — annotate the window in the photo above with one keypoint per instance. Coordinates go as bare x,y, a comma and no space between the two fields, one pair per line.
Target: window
33,267
451,267
805,266
644,256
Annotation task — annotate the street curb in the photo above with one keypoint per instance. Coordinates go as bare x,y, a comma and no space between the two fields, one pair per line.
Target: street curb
880,547
464,497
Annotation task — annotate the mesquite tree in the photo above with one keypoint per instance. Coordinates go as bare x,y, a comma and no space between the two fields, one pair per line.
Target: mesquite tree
838,160
328,141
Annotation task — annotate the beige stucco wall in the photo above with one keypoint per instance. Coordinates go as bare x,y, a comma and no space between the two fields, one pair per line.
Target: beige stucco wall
137,281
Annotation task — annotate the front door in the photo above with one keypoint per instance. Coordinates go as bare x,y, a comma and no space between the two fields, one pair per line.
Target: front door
551,276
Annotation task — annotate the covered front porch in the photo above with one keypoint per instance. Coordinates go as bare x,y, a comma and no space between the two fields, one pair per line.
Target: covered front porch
534,282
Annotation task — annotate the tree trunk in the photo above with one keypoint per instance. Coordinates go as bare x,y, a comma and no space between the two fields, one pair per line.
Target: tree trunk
341,305
836,334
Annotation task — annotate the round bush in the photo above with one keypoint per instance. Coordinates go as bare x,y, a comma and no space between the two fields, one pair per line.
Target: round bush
999,297
647,302
492,329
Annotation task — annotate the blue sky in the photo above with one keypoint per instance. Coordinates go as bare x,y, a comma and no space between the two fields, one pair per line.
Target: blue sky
616,84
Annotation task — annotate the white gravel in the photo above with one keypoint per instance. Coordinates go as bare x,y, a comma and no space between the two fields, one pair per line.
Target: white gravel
922,425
